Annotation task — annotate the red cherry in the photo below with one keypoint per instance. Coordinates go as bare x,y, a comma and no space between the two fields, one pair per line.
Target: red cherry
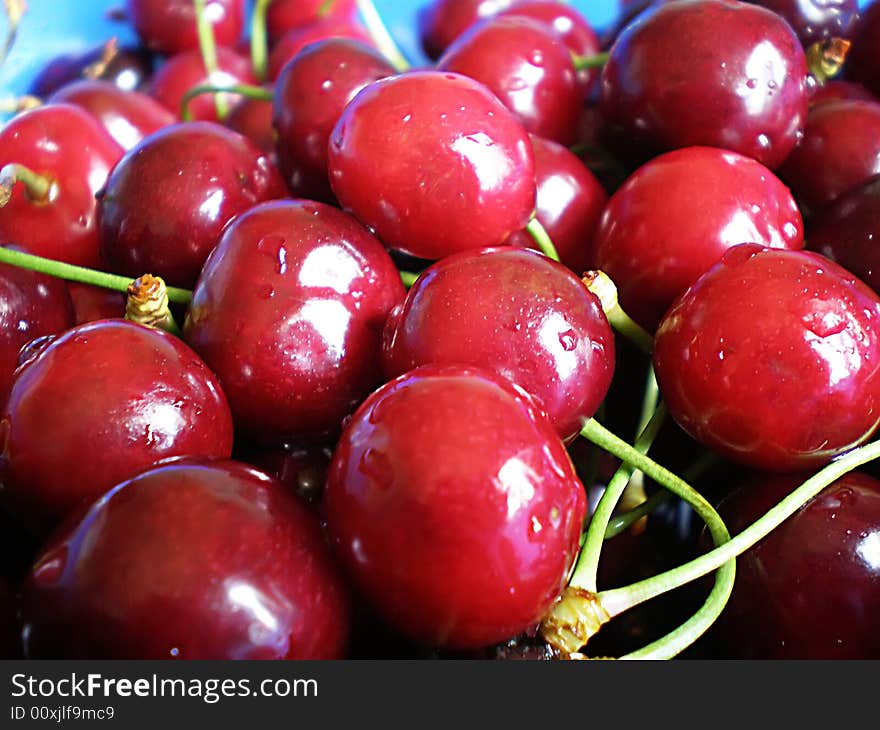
514,312
863,60
675,217
569,203
190,560
527,65
70,148
720,73
816,20
182,72
769,359
128,68
99,404
128,116
442,21
169,26
839,90
168,200
310,95
288,311
91,303
318,30
285,15
434,163
460,531
301,467
252,118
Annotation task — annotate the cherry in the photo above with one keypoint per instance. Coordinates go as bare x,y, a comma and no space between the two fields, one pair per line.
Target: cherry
811,588
839,90
301,467
442,21
31,305
459,531
69,149
288,312
123,394
816,20
128,116
186,70
569,203
285,15
526,65
190,560
839,151
863,60
321,29
128,68
434,163
769,359
720,73
91,303
169,26
168,200
654,240
310,95
517,313
253,119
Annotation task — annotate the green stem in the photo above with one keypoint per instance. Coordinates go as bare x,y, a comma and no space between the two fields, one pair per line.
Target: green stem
251,92
621,599
39,188
380,35
409,278
259,39
80,274
542,239
587,568
15,10
585,63
208,47
605,289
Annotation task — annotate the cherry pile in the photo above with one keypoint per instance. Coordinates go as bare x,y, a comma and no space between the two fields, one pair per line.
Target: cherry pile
309,353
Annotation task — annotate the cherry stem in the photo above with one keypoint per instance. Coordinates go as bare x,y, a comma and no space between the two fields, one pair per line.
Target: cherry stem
826,59
147,304
15,10
39,188
542,239
16,104
259,39
601,285
246,90
208,47
325,8
587,568
80,274
409,278
380,35
585,63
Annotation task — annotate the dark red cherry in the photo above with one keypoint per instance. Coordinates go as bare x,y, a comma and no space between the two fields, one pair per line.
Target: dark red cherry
527,65
285,15
434,163
31,305
453,504
840,150
128,116
128,68
514,312
101,403
770,359
91,303
863,60
169,26
442,21
720,73
816,20
169,199
190,560
675,217
301,467
310,95
840,90
253,119
182,72
811,588
294,41
70,149
569,203
288,312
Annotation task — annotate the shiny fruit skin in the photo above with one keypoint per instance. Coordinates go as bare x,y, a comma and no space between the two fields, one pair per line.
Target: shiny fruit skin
863,60
440,22
288,312
323,29
517,313
189,560
169,26
99,404
455,507
816,20
285,15
771,359
434,163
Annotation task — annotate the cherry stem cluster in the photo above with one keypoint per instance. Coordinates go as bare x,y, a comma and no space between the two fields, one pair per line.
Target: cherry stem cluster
381,36
208,47
251,92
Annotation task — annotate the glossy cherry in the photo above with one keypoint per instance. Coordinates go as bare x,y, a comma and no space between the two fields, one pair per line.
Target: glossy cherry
91,303
839,151
128,67
288,312
527,65
99,404
770,359
460,531
68,147
310,95
169,26
434,163
128,116
569,203
514,312
190,560
675,217
863,60
720,73
811,588
168,200
442,21
285,15
816,20
321,29
840,90
253,119
300,466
